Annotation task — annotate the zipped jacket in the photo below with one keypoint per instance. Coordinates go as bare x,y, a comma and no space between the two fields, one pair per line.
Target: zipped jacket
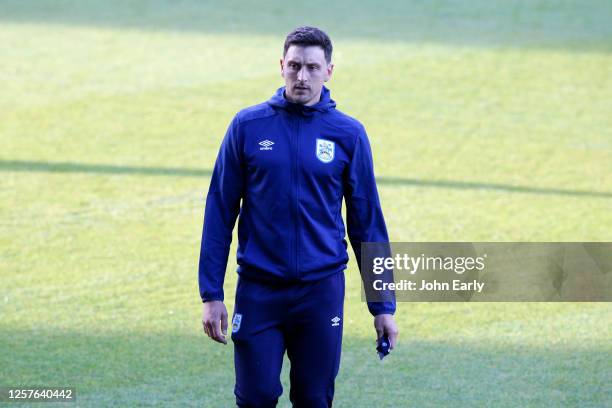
283,169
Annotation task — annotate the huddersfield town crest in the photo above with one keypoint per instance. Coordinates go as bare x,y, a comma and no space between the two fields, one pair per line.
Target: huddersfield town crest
325,150
236,322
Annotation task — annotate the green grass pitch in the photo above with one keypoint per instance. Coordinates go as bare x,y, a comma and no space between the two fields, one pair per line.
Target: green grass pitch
489,121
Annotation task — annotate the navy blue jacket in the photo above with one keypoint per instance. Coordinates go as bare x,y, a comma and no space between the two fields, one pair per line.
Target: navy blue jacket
291,165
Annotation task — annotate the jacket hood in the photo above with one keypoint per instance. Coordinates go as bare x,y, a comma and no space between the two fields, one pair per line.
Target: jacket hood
325,104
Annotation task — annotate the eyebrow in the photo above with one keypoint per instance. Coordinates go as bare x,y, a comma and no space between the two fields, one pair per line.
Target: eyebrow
299,62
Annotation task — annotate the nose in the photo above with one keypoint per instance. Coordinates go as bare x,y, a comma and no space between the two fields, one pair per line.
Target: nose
302,74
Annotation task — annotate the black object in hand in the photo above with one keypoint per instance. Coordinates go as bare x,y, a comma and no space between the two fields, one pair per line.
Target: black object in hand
383,346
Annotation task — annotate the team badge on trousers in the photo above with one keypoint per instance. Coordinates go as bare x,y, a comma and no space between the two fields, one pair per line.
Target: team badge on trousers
325,150
236,322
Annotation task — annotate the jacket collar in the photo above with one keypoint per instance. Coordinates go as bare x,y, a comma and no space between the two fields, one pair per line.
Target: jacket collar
325,103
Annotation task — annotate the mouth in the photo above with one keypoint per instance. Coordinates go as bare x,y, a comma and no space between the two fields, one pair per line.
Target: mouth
301,88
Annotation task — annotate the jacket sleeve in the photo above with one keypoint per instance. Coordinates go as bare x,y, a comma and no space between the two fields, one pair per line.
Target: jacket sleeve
222,208
365,221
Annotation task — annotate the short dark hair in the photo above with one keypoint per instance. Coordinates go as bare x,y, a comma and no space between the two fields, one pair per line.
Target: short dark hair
305,36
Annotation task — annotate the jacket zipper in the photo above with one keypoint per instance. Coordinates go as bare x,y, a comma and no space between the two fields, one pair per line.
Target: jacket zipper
297,199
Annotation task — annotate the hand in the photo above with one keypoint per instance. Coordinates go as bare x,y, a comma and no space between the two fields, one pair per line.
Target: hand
214,320
385,324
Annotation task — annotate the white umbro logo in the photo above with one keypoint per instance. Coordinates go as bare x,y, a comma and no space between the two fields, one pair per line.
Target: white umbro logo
266,145
336,321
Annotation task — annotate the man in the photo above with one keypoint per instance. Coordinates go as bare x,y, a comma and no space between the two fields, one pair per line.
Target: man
290,160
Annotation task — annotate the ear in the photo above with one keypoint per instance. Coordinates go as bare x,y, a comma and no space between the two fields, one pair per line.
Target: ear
282,68
328,72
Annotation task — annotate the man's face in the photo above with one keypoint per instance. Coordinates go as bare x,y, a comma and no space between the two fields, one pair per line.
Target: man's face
305,70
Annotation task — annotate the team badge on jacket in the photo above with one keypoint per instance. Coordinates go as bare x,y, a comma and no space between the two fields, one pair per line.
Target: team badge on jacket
325,150
236,322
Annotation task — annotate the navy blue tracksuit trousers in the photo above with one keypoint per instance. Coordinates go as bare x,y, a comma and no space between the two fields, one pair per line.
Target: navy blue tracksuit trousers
304,319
